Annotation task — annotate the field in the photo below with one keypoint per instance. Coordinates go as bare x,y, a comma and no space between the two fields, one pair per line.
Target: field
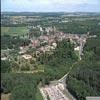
14,30
5,96
39,95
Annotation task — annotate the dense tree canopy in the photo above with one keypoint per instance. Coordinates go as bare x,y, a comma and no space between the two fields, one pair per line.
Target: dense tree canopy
5,66
13,42
23,92
86,74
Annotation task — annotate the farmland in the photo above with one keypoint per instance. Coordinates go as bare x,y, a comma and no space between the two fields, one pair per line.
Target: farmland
13,30
5,96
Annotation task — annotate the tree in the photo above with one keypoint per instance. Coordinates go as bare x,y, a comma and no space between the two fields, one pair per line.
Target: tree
85,77
5,66
23,92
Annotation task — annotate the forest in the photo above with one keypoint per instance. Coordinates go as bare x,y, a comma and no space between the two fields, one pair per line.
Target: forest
80,26
84,80
21,86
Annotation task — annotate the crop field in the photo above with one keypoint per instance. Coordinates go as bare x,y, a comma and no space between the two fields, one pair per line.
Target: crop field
14,30
5,96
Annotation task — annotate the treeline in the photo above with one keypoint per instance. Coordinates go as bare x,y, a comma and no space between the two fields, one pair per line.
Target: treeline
84,80
47,14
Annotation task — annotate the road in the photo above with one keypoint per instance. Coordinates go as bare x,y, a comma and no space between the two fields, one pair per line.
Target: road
82,43
63,79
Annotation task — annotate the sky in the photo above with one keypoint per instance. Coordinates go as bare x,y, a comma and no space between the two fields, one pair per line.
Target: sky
50,5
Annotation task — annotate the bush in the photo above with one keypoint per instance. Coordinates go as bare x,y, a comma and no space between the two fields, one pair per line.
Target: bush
5,66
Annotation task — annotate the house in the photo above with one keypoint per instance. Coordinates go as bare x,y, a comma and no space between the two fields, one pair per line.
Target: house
3,58
77,48
54,44
35,43
23,49
26,56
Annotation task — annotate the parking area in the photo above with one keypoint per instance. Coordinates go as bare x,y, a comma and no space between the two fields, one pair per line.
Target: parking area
53,92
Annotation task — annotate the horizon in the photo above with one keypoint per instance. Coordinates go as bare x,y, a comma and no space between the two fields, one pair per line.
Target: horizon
47,12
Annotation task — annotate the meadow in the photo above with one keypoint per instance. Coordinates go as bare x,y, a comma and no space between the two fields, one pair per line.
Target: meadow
13,30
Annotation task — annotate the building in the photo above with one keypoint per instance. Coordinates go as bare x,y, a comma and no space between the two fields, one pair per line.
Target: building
26,56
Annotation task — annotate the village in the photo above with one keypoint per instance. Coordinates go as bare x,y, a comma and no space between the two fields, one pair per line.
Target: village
48,43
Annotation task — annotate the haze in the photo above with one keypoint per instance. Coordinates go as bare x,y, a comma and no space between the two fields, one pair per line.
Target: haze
50,5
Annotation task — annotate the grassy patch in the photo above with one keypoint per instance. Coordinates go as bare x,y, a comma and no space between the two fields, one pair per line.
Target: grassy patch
14,30
39,95
77,53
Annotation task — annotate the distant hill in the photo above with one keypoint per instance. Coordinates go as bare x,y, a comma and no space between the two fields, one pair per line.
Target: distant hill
48,13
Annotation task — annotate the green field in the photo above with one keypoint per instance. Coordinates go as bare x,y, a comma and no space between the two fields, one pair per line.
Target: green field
39,95
14,30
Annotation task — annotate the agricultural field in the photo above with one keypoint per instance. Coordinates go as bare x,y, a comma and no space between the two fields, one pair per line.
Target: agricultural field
5,96
13,30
